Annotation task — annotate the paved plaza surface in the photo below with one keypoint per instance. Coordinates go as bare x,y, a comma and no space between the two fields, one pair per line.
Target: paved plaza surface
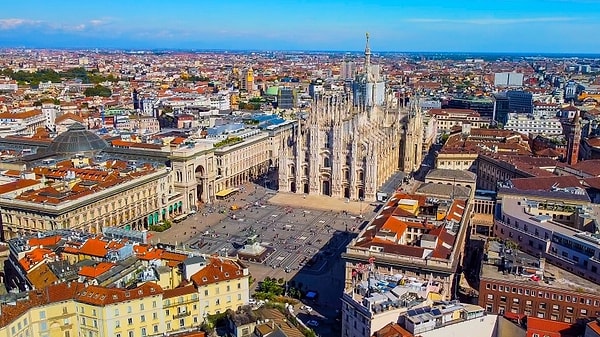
304,234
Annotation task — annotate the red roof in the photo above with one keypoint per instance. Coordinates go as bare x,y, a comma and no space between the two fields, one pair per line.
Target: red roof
94,247
96,270
546,327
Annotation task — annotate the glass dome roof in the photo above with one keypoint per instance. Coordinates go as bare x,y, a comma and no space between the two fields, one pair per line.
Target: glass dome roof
77,139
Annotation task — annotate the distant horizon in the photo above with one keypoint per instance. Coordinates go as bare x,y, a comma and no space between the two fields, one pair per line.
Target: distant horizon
521,26
324,51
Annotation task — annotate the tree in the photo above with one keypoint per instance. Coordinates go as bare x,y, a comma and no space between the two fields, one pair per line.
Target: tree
98,90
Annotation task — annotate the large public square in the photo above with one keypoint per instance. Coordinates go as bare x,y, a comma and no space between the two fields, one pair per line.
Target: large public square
303,237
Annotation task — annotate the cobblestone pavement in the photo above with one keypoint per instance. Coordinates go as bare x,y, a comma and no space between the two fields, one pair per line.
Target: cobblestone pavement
306,236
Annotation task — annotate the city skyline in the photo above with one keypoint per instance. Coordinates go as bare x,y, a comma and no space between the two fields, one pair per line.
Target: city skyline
507,26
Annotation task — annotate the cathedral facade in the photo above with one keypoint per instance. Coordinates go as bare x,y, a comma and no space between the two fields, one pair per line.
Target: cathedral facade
350,142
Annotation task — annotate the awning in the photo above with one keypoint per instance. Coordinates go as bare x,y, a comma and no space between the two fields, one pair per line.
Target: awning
226,192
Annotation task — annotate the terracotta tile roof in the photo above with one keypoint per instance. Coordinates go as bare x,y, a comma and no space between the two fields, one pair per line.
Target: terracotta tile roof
68,116
51,294
217,270
179,291
32,258
548,327
12,173
96,270
44,242
392,330
591,167
101,296
42,277
17,185
94,247
546,183
594,326
20,115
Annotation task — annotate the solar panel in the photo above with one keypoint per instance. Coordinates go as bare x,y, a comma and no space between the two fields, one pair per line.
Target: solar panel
436,312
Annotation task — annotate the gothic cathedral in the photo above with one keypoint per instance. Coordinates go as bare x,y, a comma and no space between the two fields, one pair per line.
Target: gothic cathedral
352,140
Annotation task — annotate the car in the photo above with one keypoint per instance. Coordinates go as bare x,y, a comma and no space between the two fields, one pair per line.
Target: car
251,301
312,322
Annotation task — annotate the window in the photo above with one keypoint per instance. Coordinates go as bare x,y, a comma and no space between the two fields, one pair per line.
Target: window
130,321
43,326
516,300
569,310
42,314
143,318
542,306
490,296
117,324
584,312
154,316
130,333
488,286
155,328
143,332
555,307
129,309
503,299
205,292
181,323
116,312
142,306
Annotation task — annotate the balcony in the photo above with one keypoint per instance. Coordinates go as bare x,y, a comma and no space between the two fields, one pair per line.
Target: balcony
182,315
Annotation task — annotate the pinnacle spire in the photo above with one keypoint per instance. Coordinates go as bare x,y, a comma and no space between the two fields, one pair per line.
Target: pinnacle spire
367,53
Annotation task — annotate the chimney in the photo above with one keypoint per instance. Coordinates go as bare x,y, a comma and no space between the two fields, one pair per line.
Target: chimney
542,263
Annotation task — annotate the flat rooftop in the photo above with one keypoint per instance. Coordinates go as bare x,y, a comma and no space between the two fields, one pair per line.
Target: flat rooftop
553,276
517,207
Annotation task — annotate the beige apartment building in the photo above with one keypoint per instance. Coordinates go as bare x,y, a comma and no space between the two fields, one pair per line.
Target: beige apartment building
89,197
134,204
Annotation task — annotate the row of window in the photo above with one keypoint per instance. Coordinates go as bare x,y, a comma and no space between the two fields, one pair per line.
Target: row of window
541,294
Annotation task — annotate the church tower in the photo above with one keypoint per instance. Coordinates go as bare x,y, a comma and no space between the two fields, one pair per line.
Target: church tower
572,131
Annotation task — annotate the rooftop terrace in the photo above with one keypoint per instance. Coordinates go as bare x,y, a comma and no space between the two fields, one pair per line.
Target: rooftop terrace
524,269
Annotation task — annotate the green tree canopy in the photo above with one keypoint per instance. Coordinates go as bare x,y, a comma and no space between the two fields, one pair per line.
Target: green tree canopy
98,90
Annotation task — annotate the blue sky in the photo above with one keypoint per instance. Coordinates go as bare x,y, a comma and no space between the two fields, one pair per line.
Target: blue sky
542,26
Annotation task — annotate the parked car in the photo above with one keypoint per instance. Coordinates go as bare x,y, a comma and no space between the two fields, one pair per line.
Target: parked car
312,322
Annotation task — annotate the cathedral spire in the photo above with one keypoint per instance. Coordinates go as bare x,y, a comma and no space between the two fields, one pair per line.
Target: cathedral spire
367,57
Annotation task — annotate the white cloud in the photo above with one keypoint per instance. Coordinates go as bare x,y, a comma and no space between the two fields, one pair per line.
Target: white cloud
12,23
491,21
